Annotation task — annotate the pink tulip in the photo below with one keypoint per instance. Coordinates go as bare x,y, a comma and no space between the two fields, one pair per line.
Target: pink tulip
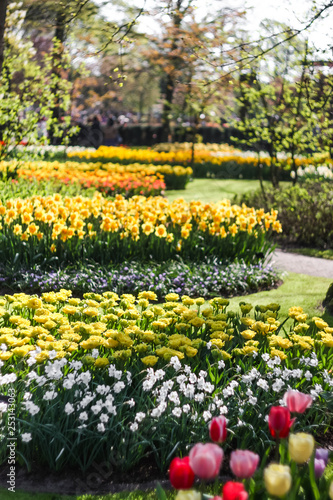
218,429
296,401
243,463
205,460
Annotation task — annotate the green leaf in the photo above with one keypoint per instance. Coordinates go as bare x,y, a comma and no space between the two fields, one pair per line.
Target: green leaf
160,492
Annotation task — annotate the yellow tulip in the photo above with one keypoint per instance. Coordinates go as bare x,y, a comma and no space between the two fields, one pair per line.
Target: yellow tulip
188,495
301,446
101,362
277,479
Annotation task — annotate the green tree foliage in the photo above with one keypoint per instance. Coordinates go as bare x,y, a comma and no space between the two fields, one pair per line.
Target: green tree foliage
27,88
276,106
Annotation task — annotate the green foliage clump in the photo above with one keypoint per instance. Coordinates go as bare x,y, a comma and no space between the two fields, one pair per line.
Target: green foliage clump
305,212
328,301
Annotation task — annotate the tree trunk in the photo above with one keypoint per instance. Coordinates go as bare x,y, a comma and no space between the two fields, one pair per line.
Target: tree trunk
3,14
167,107
261,180
294,167
195,129
177,17
59,35
274,177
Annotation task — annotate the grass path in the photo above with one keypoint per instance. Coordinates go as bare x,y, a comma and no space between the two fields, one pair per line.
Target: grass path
297,290
208,190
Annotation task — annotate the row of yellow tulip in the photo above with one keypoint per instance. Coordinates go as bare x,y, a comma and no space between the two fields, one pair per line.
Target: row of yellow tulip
122,328
135,227
180,156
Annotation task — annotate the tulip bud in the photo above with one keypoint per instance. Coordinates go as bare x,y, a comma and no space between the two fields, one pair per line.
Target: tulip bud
234,491
243,463
279,422
301,446
322,454
319,467
205,460
277,479
180,473
297,402
218,429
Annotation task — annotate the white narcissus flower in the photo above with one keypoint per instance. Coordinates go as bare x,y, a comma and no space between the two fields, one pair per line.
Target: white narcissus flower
26,437
69,408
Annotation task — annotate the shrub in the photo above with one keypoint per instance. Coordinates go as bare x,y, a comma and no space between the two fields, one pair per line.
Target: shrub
305,212
328,300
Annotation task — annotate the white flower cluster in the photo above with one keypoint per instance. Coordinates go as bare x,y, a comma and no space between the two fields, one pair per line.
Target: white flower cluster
176,392
313,172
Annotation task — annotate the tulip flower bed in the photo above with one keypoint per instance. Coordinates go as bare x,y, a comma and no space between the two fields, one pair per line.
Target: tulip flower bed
299,473
109,178
109,181
44,152
314,172
227,163
187,146
71,230
83,371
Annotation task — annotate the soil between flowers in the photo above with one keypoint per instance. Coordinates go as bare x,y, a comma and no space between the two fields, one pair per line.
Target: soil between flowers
103,478
100,479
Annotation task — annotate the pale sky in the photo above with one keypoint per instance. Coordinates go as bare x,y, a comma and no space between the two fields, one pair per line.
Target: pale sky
291,12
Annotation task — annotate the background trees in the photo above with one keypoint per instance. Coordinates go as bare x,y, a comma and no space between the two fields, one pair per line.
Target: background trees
188,72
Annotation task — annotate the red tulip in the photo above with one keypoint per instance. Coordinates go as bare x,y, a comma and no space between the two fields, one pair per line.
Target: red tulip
243,463
234,491
218,429
205,460
181,474
279,422
296,401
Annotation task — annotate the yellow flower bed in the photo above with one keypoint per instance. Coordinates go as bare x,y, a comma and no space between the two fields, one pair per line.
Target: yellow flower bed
132,226
102,328
125,155
99,174
187,146
182,156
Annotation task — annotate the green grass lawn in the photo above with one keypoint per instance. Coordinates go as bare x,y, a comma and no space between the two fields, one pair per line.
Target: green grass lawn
313,252
215,189
297,290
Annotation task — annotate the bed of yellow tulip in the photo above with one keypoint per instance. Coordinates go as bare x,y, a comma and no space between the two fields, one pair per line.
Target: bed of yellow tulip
187,146
224,163
144,156
129,329
108,230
